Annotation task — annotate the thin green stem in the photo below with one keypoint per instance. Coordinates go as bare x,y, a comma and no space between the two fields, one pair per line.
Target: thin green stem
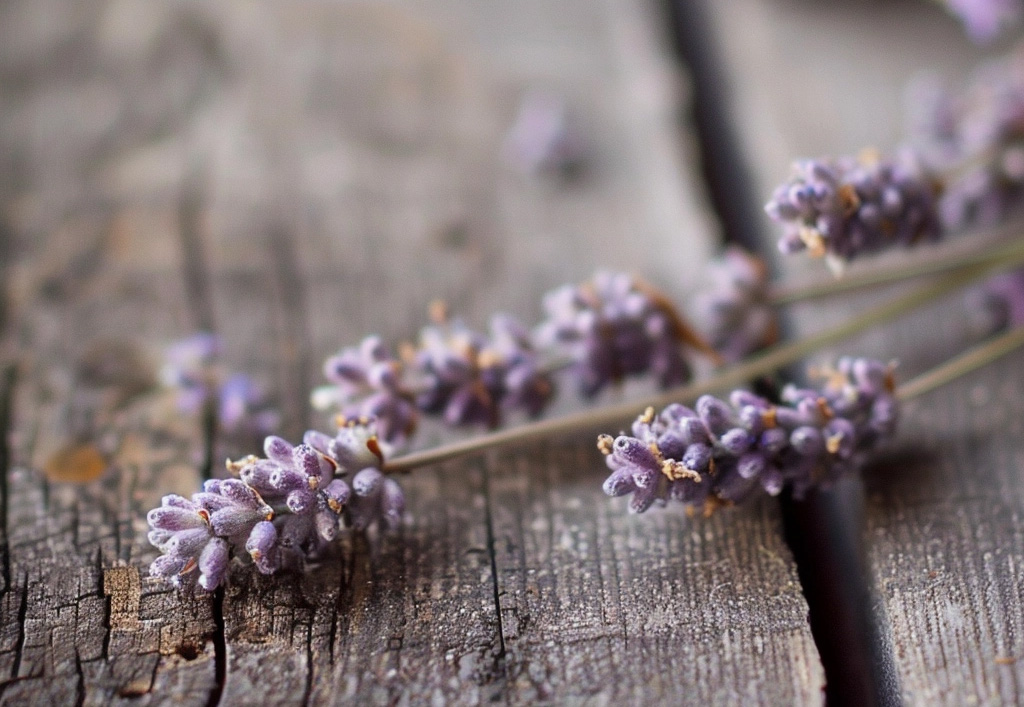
965,363
934,265
733,376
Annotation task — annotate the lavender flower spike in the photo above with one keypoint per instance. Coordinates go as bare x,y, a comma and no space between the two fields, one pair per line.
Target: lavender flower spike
842,208
470,378
283,509
369,381
735,314
613,326
727,451
976,137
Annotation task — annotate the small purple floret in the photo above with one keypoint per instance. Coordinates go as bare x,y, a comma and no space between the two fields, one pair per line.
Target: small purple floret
846,207
729,451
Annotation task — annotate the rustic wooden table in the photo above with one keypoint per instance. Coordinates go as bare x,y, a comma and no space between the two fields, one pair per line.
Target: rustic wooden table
295,175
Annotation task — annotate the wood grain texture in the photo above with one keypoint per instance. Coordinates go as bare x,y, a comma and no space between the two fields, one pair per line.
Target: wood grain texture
294,177
942,511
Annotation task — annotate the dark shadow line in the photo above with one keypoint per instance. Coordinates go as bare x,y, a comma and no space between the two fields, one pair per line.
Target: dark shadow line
499,660
826,543
7,383
220,650
193,257
196,275
295,346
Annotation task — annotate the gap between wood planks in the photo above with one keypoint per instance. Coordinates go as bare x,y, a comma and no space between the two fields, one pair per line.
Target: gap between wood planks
821,531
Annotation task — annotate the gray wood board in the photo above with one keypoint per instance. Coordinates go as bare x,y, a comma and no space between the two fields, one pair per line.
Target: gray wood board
295,177
943,510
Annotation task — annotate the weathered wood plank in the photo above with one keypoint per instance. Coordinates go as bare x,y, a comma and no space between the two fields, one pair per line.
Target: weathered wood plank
93,445
294,177
942,513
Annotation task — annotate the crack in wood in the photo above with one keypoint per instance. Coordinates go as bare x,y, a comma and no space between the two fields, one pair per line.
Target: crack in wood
7,382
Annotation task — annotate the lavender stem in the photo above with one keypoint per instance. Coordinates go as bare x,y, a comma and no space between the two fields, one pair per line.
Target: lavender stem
963,364
947,262
730,377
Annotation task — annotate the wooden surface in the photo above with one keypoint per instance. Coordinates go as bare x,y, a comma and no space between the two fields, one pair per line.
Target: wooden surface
294,177
943,514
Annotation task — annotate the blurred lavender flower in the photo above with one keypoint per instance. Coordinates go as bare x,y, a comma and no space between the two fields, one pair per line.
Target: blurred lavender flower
984,19
976,137
189,369
730,450
999,303
470,378
542,138
369,381
241,407
613,326
198,534
735,315
282,510
845,207
526,382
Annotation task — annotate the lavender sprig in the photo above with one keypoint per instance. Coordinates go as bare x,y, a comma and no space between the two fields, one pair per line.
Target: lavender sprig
735,313
730,450
841,208
976,136
613,326
282,511
470,378
369,381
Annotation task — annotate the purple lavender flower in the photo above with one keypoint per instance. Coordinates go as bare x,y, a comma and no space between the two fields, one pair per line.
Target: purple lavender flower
188,368
845,207
196,535
735,314
282,510
375,498
525,381
369,381
999,303
613,326
241,407
458,382
984,19
726,451
542,139
470,378
977,138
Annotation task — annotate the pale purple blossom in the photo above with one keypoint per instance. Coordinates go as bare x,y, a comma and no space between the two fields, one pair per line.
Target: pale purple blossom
729,450
543,138
614,326
985,19
734,311
976,137
283,510
369,381
845,207
191,368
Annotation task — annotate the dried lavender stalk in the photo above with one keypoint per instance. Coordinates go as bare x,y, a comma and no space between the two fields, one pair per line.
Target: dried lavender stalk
601,331
842,208
283,509
731,450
